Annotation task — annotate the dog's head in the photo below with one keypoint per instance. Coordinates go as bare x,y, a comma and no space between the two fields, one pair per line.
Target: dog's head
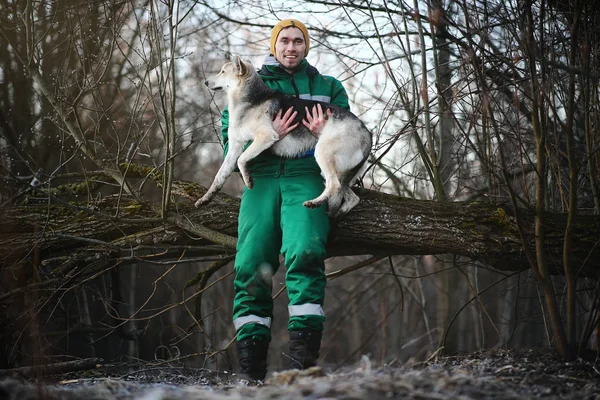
231,76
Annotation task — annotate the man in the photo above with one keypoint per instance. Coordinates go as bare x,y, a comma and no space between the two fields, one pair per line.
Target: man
272,219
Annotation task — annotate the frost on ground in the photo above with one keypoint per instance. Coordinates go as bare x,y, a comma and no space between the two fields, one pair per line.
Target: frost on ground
493,374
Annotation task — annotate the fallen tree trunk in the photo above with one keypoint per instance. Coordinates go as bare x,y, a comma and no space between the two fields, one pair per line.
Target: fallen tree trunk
66,234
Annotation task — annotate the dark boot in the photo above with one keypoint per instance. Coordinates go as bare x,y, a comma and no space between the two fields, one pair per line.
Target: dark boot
304,348
253,358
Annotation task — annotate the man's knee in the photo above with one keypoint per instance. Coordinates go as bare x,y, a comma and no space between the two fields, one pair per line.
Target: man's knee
307,254
247,276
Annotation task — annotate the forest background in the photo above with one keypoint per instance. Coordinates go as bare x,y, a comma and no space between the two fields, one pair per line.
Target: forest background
479,222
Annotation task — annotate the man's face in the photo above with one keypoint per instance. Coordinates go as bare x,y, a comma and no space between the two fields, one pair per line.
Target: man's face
289,48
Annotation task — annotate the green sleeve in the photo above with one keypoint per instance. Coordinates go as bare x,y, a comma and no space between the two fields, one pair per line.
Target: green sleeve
339,97
224,129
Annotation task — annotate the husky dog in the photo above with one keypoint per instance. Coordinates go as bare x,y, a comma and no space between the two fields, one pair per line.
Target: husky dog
341,149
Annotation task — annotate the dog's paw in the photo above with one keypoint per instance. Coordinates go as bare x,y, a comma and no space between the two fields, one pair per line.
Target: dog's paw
202,201
312,204
249,181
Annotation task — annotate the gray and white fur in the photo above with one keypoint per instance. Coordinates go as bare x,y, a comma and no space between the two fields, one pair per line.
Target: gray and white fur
341,151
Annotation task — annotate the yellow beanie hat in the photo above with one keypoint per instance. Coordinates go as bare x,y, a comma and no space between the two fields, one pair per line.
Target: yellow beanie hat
286,23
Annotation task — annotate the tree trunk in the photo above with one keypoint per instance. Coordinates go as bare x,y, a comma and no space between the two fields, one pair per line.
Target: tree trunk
67,235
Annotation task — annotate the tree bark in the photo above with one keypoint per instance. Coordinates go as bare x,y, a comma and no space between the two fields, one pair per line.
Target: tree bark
65,234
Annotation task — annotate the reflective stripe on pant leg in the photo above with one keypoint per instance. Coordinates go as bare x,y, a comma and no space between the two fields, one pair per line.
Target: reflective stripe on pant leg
251,319
305,309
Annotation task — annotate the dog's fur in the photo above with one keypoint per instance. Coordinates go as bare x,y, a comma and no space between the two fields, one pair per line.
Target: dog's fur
341,149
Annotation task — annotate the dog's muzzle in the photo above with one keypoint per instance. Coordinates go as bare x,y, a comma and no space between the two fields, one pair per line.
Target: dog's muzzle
211,86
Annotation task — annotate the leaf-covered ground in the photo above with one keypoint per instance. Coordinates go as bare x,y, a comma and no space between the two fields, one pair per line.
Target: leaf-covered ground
494,374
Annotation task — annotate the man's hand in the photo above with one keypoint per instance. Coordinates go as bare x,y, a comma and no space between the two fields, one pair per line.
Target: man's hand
283,124
316,121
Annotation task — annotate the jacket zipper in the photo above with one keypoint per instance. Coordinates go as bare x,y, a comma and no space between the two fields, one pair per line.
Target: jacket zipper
294,86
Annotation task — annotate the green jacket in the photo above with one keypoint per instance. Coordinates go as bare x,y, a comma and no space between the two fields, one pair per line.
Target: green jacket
306,83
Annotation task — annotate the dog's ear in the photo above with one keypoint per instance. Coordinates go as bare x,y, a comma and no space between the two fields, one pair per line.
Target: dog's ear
240,67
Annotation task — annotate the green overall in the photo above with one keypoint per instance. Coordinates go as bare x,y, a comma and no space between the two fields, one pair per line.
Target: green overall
273,221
